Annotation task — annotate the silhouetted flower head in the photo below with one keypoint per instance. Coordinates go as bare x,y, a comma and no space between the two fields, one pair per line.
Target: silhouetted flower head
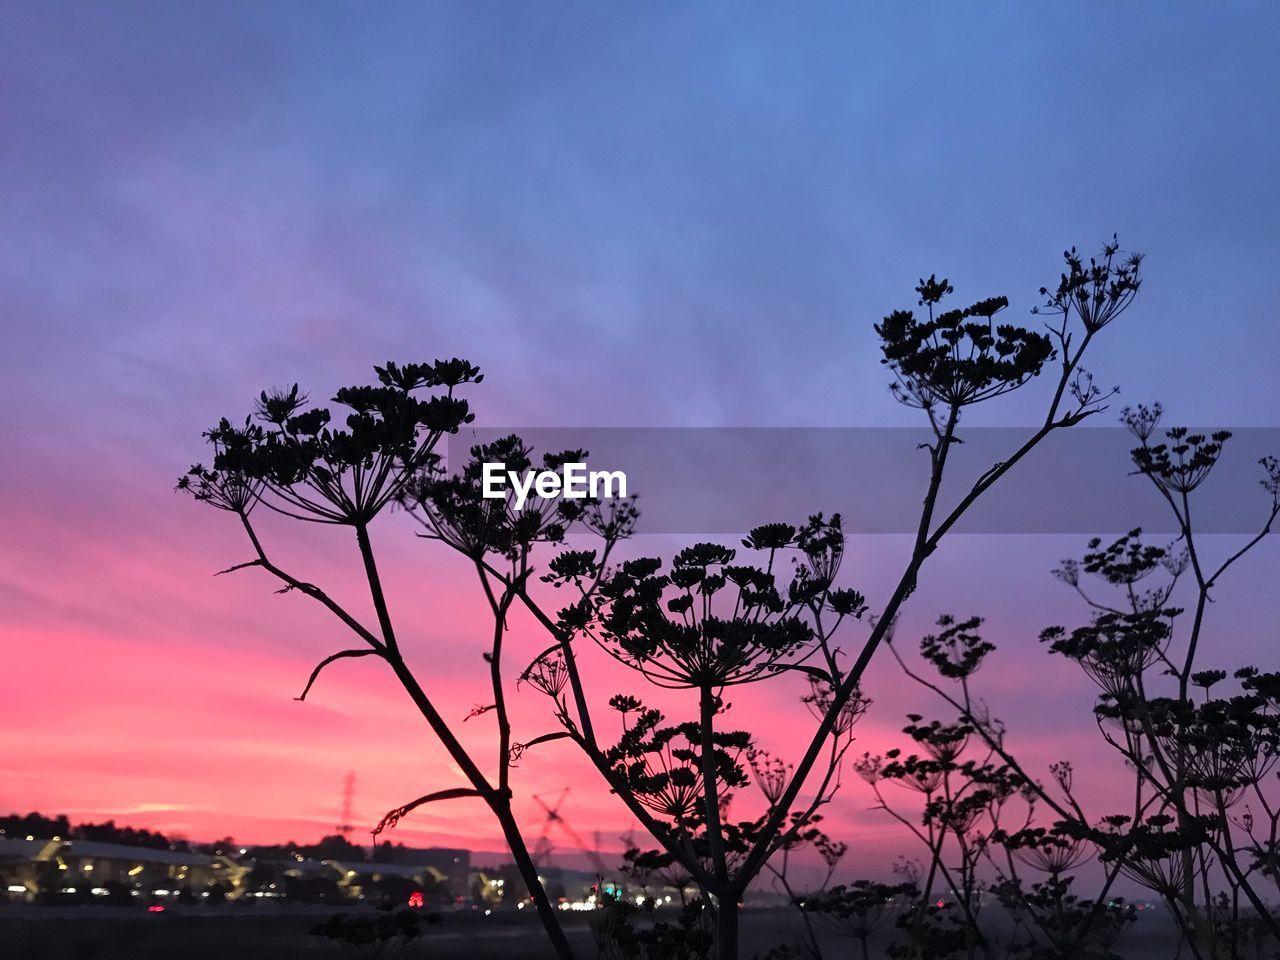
229,486
954,358
821,695
958,650
1096,292
710,620
548,673
1151,852
662,764
1115,648
297,462
1053,852
770,773
862,907
1183,461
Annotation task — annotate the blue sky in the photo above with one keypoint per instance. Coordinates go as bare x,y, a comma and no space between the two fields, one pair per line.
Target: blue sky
677,208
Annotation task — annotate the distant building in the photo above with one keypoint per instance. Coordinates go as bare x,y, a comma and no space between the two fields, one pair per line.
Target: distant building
19,868
375,881
70,865
450,864
90,869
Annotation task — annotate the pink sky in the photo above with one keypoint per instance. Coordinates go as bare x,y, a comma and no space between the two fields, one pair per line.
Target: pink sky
147,690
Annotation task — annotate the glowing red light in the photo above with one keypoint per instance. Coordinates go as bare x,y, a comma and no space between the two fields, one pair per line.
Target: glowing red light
416,900
942,903
155,908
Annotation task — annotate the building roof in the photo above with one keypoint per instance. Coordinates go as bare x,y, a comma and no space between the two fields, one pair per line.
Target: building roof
435,856
388,869
121,851
20,848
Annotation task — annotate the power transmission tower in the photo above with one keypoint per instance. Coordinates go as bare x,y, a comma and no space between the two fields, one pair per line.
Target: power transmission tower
348,797
542,851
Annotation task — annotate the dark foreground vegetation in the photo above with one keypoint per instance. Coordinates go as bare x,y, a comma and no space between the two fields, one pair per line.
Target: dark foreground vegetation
116,934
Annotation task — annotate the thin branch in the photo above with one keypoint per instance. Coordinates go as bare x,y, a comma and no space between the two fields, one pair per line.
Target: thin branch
330,659
239,566
399,813
310,590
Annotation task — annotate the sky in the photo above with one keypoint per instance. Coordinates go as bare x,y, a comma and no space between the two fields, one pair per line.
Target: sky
627,215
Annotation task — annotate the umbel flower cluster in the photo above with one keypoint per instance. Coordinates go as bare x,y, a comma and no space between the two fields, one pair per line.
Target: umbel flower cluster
295,461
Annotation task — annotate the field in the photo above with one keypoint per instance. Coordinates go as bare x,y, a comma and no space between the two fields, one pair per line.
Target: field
94,933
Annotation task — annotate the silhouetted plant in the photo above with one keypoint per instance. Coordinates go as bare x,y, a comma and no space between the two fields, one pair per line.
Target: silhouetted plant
862,908
710,623
1202,756
1195,760
933,931
975,813
379,936
628,931
646,867
1058,925
962,811
306,464
705,622
771,776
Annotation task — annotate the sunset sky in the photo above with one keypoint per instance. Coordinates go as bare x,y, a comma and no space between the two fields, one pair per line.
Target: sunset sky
625,214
